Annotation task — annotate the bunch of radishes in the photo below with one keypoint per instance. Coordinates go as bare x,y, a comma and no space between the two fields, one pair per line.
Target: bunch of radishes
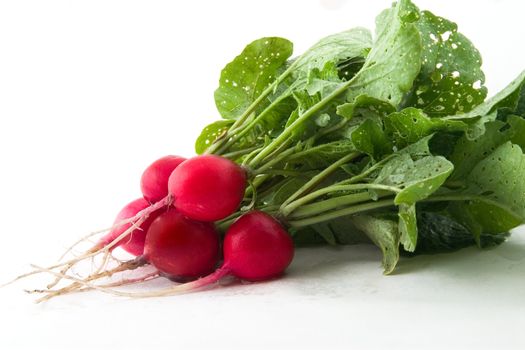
343,143
181,241
173,228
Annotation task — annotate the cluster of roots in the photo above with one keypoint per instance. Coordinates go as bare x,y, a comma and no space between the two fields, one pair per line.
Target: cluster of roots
105,266
107,271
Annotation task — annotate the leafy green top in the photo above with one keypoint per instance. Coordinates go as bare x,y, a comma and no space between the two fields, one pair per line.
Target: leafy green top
384,139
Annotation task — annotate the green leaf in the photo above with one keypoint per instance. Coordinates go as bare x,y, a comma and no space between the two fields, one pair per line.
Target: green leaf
384,233
341,230
365,127
488,167
369,138
415,179
467,153
249,74
317,70
211,133
507,98
348,68
346,232
315,73
334,48
424,178
288,104
273,119
443,143
439,233
324,231
307,129
451,80
306,236
395,58
408,226
323,155
365,105
418,149
499,178
517,127
323,81
493,197
484,218
520,108
412,124
414,175
285,189
320,84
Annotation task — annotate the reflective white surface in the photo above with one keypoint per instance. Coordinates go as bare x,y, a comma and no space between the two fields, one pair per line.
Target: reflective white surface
92,92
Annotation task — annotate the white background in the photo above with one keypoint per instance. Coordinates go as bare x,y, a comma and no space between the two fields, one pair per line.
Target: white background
92,91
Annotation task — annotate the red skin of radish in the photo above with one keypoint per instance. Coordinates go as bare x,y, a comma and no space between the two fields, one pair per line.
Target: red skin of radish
180,247
207,187
154,180
257,248
134,243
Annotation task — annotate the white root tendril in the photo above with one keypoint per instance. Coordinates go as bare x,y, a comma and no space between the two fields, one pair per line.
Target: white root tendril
123,282
92,253
178,289
84,287
65,266
81,240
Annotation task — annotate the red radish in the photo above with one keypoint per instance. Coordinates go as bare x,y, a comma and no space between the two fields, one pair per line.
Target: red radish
256,248
204,188
207,187
134,242
180,247
154,180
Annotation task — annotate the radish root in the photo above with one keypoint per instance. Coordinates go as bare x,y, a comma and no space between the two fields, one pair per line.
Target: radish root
126,266
135,221
87,286
91,253
179,289
82,240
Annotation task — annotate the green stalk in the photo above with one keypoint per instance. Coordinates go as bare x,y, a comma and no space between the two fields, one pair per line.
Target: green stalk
289,208
321,176
290,153
223,225
359,208
237,136
355,209
280,172
276,160
235,154
250,155
330,204
455,197
240,121
256,182
285,135
333,128
365,173
256,120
